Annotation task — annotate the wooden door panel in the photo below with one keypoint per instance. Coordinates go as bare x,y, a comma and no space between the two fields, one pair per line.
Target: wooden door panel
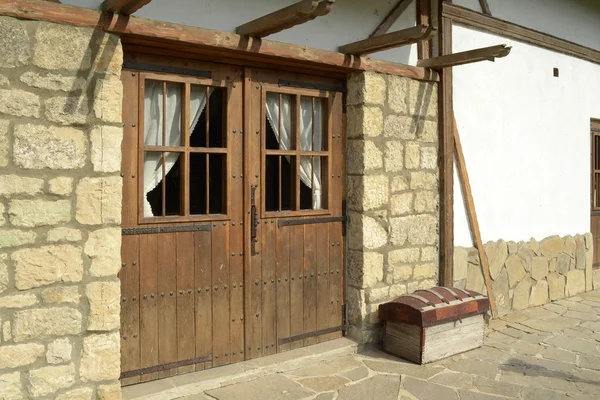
130,311
220,303
283,286
148,306
167,301
203,305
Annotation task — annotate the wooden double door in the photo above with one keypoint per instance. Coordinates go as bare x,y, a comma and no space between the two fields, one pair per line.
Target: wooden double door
233,243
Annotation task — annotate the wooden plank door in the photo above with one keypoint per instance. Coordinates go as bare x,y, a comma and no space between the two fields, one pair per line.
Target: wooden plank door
183,217
595,189
294,193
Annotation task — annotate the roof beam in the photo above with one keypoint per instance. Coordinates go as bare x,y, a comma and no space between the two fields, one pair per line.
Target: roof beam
389,40
391,17
466,57
485,7
285,18
125,7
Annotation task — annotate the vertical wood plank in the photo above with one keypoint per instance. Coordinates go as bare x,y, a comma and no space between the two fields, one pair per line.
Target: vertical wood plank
203,305
310,282
283,286
249,126
296,283
220,303
269,319
322,278
336,277
148,309
424,18
167,301
130,309
186,341
129,151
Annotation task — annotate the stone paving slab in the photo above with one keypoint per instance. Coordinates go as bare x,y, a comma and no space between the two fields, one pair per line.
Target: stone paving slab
546,353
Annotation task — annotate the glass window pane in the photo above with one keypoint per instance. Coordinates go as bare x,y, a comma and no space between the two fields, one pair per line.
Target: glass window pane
320,183
320,135
162,113
198,184
153,184
174,185
306,123
306,195
217,184
207,119
281,122
272,183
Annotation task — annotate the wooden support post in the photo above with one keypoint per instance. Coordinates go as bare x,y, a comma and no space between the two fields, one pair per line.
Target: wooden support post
287,17
124,7
485,7
424,47
466,57
472,215
391,17
389,40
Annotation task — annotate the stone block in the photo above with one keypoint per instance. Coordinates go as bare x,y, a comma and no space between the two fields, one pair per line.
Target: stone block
48,380
19,103
563,263
424,271
556,284
2,212
429,254
39,147
539,293
398,94
15,237
108,97
10,384
61,186
474,278
401,273
429,158
364,269
67,110
570,246
418,229
423,98
109,392
83,393
19,355
595,277
46,265
7,331
3,272
4,129
426,284
427,131
109,57
401,204
103,247
18,300
412,156
399,184
63,234
106,148
521,295
357,306
426,201
575,282
400,127
61,294
363,156
461,258
41,323
589,260
502,293
403,256
11,185
33,213
104,300
364,122
14,42
551,247
516,270
366,88
393,156
101,358
62,47
99,201
496,253
365,232
51,81
539,268
4,81
423,180
59,351
368,192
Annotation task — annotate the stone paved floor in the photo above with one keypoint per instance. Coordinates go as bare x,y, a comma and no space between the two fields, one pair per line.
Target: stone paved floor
544,353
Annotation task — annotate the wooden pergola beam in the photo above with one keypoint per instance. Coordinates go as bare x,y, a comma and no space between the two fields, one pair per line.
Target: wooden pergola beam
125,7
485,7
389,40
391,17
285,18
466,57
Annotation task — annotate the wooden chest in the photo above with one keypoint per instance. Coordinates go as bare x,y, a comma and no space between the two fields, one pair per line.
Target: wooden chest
432,324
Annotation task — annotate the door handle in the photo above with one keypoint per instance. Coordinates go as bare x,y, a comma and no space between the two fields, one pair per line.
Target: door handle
253,220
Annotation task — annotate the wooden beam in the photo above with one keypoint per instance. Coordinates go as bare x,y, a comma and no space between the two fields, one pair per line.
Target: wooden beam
473,19
466,57
287,17
391,17
389,40
424,47
485,7
472,215
199,39
125,7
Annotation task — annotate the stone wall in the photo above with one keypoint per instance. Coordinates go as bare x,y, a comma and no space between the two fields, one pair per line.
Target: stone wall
528,274
60,211
392,193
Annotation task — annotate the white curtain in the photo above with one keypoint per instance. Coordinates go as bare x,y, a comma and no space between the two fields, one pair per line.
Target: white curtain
307,175
153,129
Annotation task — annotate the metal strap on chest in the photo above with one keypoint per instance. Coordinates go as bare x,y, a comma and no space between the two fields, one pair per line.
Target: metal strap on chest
421,298
453,293
436,294
465,292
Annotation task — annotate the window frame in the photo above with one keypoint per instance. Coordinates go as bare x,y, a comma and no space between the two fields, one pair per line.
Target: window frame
297,152
595,154
184,148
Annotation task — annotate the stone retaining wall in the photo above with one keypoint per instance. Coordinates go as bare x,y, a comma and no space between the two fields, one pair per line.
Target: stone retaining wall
392,193
60,211
528,274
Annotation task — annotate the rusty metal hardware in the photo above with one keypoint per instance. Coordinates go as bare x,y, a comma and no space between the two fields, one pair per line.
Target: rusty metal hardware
165,229
163,367
307,221
311,334
253,220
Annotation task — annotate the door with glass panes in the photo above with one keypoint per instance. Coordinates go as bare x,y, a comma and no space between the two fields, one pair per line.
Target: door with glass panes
232,204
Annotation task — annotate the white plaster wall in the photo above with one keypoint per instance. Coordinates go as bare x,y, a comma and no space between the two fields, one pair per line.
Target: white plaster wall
574,20
349,20
526,140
